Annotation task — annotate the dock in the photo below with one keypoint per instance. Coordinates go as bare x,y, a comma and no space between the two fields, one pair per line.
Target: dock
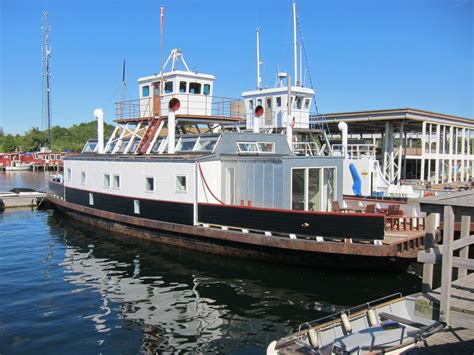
452,302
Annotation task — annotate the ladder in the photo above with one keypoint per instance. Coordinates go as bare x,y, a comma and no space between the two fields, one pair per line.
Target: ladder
150,132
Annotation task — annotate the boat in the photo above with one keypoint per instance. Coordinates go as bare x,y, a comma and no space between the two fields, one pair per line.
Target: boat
21,197
179,169
12,161
384,326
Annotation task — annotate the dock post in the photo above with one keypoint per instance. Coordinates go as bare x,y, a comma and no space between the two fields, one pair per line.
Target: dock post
464,252
447,264
427,283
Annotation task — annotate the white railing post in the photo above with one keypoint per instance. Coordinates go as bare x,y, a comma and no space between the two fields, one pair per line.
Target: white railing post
464,252
447,264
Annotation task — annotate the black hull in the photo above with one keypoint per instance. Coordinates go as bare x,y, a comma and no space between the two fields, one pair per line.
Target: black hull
223,246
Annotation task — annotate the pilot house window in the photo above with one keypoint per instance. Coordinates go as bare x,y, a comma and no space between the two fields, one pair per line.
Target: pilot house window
168,87
194,88
145,91
182,86
207,89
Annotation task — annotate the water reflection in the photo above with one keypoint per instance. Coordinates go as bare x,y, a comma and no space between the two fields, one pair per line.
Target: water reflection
181,301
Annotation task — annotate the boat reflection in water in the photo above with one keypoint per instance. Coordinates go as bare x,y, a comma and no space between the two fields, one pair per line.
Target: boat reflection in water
182,300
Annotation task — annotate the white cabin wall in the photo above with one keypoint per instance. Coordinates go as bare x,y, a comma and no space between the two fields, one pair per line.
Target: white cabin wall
132,178
211,170
365,172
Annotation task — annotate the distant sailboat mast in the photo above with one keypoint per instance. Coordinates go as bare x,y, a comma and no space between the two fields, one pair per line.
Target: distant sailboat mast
46,119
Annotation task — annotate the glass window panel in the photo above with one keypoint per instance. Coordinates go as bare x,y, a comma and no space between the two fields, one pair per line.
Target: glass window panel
106,180
266,147
207,89
182,86
297,189
186,144
306,103
181,183
136,206
206,144
145,91
248,147
194,88
150,184
168,87
83,177
116,182
278,101
328,188
124,145
314,189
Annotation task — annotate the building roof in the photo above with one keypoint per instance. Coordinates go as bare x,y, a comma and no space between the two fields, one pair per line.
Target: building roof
374,121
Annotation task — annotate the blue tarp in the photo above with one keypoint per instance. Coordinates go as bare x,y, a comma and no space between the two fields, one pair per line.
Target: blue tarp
356,186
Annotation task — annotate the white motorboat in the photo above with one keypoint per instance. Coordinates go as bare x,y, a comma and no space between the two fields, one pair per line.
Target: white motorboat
385,326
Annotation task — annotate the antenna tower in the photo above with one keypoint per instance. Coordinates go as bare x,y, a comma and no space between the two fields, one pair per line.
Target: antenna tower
46,55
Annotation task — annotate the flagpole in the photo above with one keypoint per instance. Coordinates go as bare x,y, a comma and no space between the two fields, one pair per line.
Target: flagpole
162,20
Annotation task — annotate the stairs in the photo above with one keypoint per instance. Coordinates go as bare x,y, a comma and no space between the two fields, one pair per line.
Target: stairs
147,138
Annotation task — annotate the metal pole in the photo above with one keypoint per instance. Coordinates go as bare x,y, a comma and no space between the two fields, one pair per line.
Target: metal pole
289,128
259,79
295,54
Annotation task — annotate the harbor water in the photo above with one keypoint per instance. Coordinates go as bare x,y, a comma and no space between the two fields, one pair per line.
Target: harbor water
66,287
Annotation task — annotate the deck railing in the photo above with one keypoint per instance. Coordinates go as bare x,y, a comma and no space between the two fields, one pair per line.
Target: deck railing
444,254
191,105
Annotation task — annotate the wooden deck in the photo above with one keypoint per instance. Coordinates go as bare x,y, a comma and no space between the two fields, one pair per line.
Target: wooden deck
462,303
451,340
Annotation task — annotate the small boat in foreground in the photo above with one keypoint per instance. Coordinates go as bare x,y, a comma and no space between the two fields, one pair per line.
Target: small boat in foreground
387,326
21,197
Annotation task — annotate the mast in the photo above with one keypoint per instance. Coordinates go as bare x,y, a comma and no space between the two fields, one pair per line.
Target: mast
162,29
259,79
46,116
295,54
123,89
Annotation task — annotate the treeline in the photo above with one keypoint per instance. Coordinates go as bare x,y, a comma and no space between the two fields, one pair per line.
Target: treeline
72,138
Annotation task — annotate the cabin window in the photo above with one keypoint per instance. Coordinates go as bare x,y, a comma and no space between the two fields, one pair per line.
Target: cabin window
206,144
149,184
157,144
313,189
298,102
186,144
123,145
251,104
168,87
58,157
181,183
134,145
136,206
194,88
306,103
247,147
207,89
265,147
83,177
182,86
146,91
259,102
91,199
116,182
156,89
107,180
278,101
68,174
269,103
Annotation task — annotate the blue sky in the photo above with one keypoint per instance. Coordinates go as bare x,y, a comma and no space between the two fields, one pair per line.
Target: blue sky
363,55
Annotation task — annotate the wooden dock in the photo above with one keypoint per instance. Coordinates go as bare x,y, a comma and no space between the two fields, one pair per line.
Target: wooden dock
453,302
